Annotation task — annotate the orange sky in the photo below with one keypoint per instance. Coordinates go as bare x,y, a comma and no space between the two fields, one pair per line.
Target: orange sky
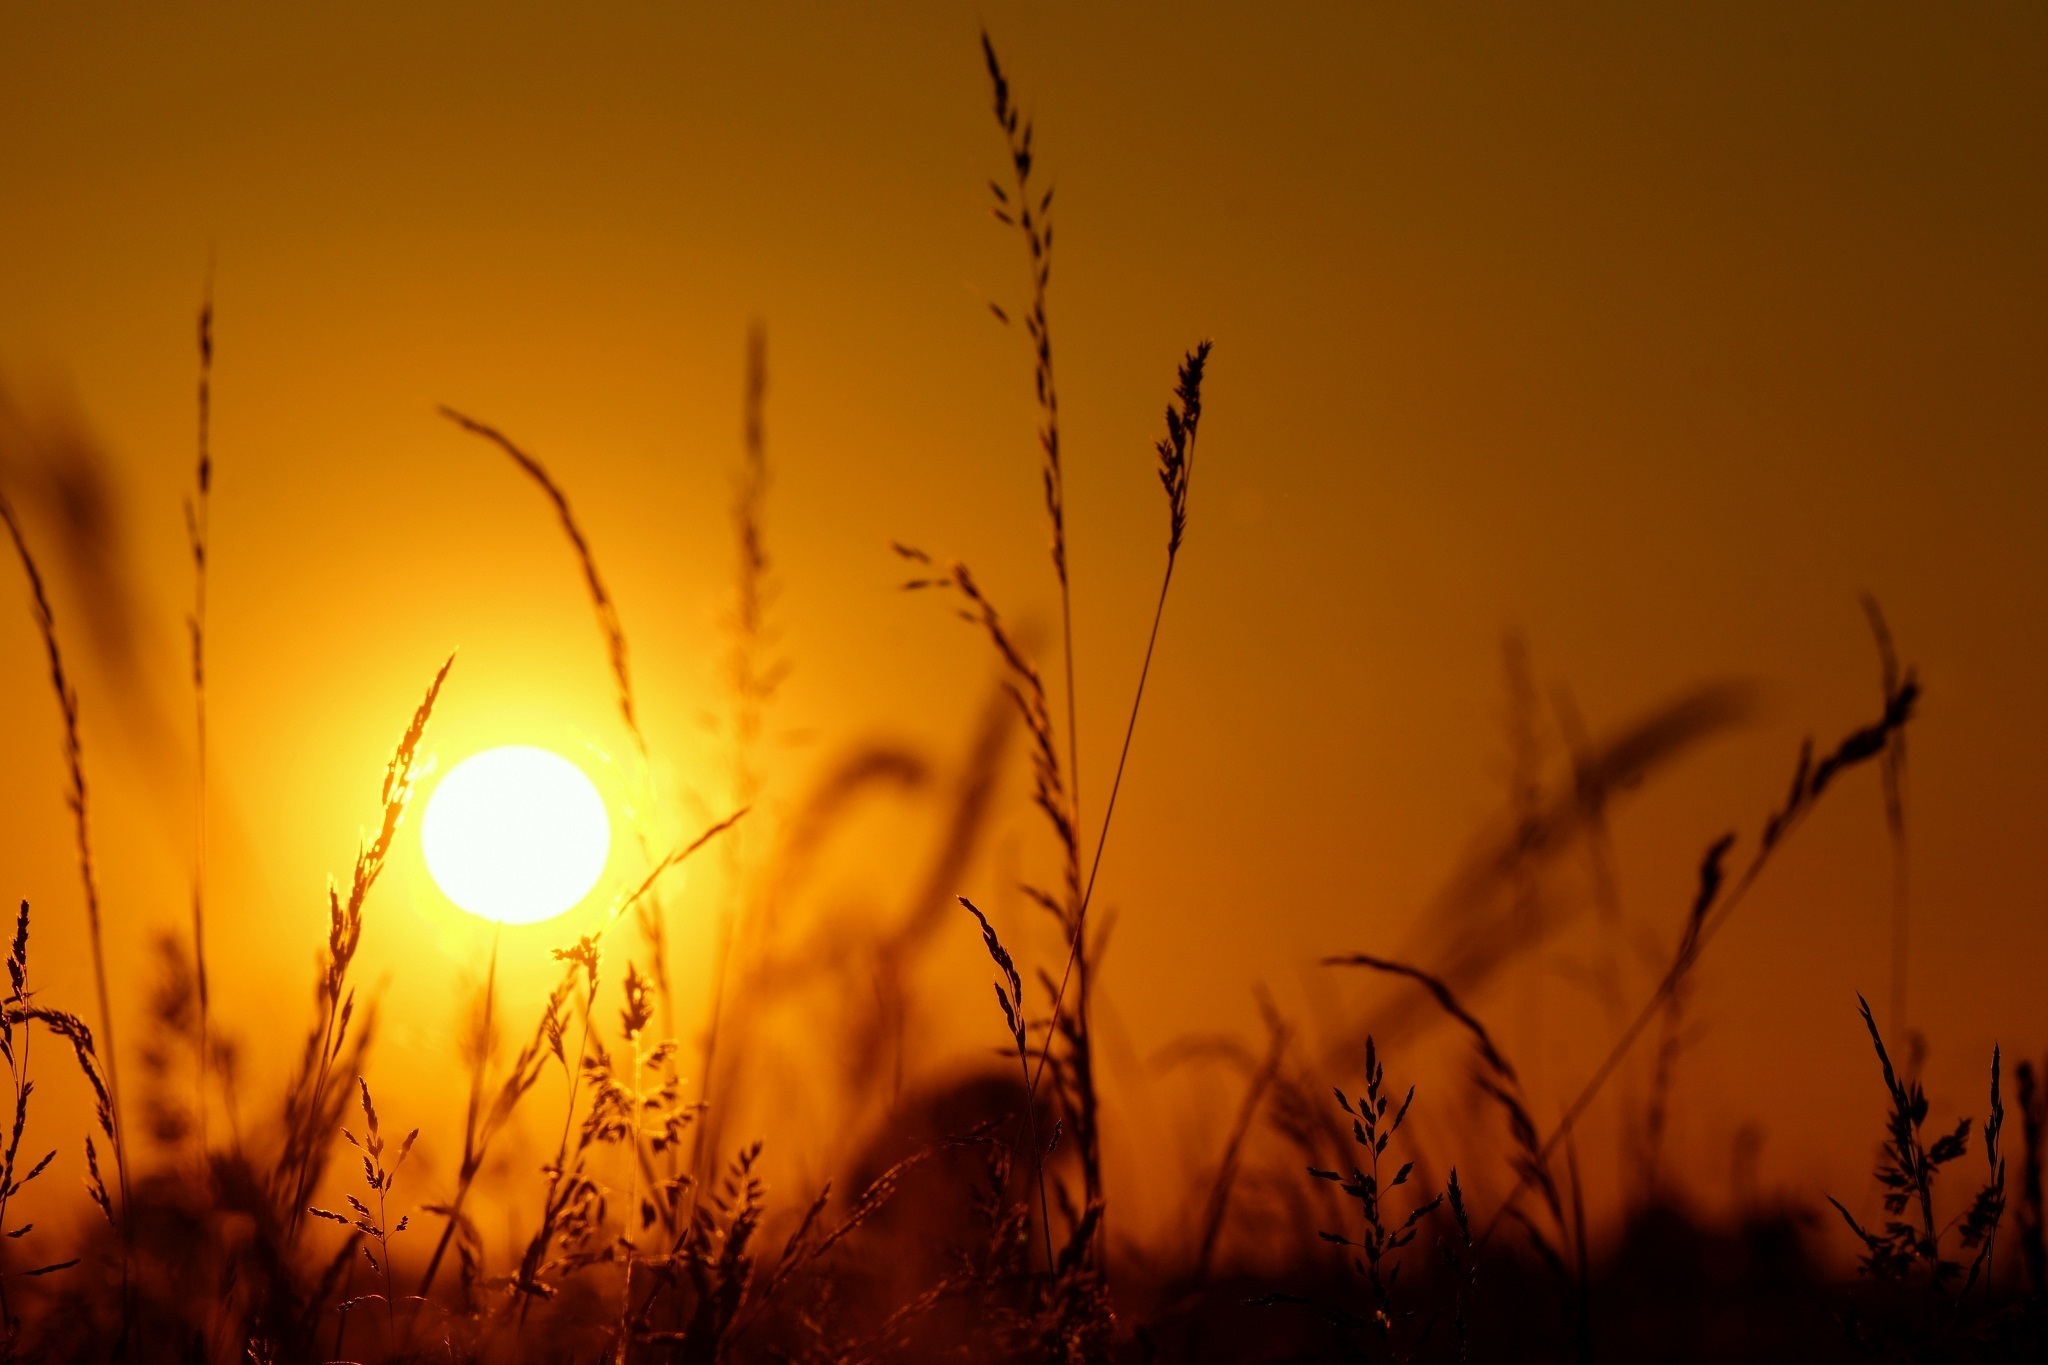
1654,335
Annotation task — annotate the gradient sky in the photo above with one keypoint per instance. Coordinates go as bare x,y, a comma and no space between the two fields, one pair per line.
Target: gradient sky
1654,334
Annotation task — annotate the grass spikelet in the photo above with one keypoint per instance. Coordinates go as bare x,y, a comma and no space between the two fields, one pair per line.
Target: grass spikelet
1980,1225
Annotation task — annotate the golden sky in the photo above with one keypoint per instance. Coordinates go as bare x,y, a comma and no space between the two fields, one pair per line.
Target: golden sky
1656,335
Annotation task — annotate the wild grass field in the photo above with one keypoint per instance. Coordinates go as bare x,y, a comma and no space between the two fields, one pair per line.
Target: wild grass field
1385,1188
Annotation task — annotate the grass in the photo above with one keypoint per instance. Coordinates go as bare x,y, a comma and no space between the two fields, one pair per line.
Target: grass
966,1216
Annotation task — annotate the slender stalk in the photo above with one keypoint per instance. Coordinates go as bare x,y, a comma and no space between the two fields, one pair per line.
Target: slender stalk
1226,1168
549,1210
471,1155
1176,474
752,681
197,517
650,916
301,1187
348,1283
1893,770
1622,1046
631,1214
390,1292
1102,836
1584,1296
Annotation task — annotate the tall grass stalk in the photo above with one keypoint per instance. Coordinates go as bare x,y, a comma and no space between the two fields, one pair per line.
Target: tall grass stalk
753,676
472,1153
581,958
1176,451
197,522
1218,1203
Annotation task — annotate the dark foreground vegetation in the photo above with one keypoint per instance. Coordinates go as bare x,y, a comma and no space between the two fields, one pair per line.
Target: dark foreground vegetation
971,1221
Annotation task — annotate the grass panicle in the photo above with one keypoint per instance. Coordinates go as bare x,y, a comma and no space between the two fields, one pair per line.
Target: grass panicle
375,1226
1028,210
1373,1247
1909,1241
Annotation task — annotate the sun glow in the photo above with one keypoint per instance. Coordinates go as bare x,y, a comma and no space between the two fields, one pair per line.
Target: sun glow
516,834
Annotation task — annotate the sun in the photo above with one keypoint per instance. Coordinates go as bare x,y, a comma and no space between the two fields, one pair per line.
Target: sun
516,834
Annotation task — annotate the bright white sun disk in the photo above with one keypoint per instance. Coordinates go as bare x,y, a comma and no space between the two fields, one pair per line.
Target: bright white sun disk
516,834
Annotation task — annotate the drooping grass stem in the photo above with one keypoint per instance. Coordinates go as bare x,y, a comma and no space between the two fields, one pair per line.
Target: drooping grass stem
75,799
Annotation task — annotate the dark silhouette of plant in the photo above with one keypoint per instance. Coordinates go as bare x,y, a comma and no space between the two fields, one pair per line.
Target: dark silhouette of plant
1908,1168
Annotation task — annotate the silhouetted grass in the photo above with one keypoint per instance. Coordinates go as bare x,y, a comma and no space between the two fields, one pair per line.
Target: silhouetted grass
637,1233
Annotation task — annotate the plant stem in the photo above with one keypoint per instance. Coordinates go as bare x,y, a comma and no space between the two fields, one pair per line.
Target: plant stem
198,516
1074,948
472,1156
